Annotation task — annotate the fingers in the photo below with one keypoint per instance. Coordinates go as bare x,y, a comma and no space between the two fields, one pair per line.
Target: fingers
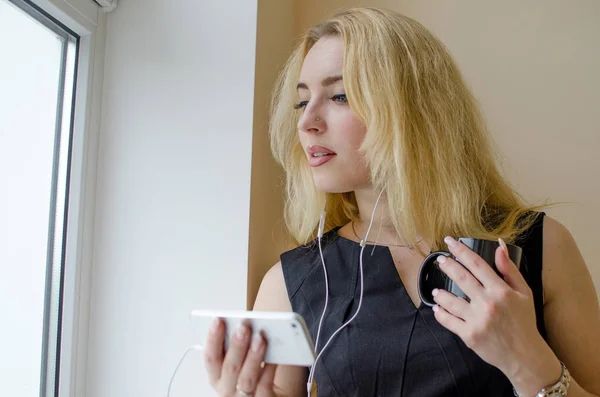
251,370
241,366
450,322
509,270
458,307
478,267
214,351
461,276
234,359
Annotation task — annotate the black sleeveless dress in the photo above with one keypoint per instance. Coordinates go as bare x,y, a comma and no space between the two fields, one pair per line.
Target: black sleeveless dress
392,348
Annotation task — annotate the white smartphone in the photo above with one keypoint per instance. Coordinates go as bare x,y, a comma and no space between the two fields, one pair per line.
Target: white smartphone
288,339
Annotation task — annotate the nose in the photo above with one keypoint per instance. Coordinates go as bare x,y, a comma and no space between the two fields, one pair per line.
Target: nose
311,122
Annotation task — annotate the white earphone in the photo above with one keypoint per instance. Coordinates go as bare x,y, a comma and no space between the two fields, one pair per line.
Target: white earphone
363,244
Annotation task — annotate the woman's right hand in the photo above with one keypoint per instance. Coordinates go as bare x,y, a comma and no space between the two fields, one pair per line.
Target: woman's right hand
238,372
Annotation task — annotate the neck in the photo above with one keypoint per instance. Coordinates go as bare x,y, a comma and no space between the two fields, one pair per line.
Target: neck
382,228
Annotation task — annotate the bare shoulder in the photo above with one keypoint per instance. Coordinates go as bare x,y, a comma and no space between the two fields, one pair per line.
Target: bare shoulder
557,237
272,294
562,261
554,231
571,309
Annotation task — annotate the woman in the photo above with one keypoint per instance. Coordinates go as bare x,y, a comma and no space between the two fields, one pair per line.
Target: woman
372,119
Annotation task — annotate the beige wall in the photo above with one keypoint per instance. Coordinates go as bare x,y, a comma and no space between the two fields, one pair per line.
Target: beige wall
534,66
268,238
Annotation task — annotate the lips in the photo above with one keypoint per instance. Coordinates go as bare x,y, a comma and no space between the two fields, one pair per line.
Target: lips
319,155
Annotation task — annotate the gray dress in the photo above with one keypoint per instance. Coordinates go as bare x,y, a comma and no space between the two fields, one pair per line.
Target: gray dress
392,348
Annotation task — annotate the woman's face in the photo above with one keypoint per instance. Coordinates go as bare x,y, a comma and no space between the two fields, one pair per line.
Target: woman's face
330,133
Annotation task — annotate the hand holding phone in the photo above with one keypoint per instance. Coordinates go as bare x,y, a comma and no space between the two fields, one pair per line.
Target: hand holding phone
242,348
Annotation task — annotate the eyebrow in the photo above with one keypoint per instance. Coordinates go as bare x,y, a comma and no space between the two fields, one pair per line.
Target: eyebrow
326,82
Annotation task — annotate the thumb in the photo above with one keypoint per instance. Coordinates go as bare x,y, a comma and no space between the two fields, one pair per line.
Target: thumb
509,270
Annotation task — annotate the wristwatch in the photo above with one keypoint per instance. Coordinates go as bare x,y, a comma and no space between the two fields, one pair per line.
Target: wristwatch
559,389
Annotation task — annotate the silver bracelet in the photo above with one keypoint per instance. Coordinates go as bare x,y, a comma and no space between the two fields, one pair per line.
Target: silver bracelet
559,389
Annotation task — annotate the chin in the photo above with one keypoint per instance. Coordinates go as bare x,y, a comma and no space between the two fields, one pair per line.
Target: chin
331,184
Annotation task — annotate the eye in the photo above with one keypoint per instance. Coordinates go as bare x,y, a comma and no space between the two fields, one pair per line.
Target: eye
301,105
340,98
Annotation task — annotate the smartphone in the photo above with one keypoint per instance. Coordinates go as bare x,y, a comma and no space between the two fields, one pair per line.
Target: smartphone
287,336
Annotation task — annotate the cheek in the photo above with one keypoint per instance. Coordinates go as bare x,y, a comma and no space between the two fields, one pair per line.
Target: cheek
300,139
354,134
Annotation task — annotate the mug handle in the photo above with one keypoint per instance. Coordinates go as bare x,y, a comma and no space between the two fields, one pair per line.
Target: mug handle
429,278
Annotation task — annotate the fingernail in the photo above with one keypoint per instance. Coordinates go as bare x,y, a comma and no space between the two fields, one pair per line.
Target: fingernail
503,245
256,343
435,292
241,333
441,259
214,326
452,243
435,308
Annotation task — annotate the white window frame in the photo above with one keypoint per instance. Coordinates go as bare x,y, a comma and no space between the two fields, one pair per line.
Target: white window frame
87,19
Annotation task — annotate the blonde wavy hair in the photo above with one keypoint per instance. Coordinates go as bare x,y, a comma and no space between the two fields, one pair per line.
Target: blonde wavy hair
426,143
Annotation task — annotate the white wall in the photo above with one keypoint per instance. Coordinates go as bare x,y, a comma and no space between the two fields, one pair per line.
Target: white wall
173,188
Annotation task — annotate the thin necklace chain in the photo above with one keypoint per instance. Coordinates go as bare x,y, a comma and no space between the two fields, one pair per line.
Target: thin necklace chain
409,246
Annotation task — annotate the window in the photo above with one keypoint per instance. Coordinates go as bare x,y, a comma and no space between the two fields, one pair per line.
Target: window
37,81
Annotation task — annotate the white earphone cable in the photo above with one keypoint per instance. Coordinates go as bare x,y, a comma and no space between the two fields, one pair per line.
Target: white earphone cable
320,236
189,349
363,244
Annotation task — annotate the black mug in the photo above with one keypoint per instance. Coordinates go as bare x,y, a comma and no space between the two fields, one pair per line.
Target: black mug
431,277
